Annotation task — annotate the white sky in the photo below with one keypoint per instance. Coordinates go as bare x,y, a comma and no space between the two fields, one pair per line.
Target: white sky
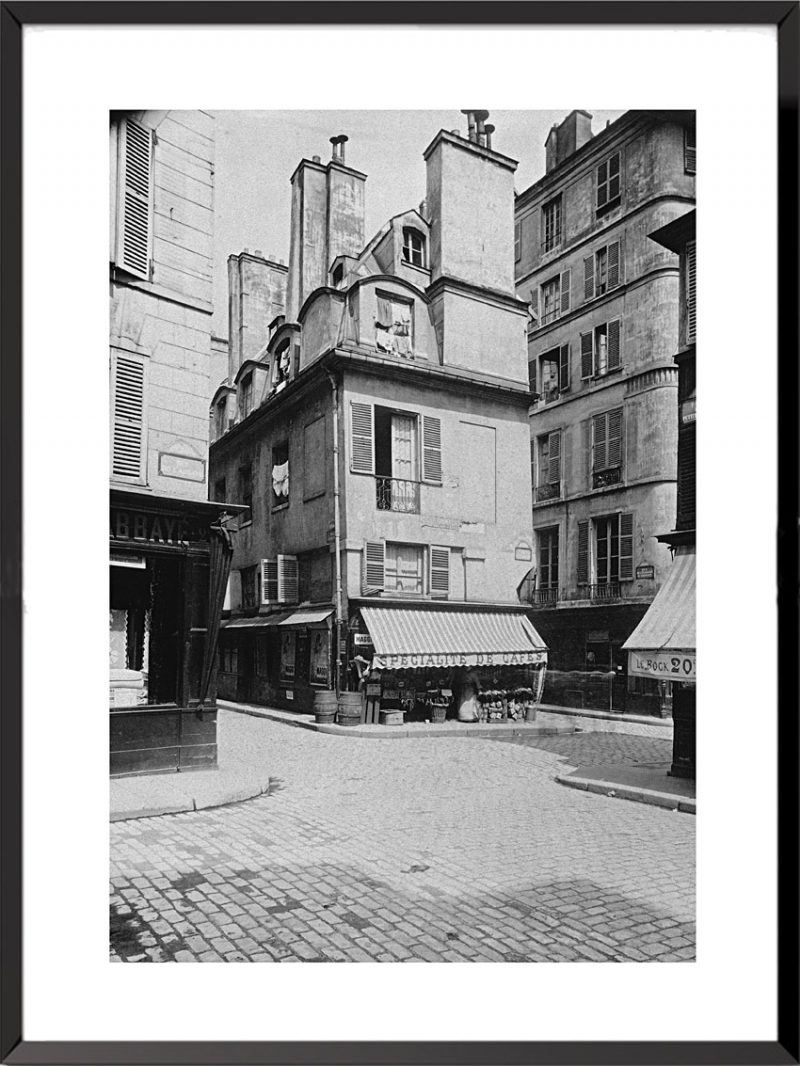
257,152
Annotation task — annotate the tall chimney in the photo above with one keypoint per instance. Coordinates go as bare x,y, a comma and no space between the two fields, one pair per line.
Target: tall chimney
327,221
573,133
256,294
551,149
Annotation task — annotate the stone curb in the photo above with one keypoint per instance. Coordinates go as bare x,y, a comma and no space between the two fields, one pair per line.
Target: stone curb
388,732
237,795
630,792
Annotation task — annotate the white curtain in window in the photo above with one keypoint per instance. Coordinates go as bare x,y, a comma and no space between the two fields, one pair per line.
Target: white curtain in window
280,479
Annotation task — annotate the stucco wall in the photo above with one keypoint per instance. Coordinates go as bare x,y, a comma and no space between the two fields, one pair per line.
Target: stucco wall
167,320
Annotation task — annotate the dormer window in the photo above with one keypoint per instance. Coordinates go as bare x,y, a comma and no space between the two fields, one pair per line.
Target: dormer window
282,367
394,325
338,275
413,247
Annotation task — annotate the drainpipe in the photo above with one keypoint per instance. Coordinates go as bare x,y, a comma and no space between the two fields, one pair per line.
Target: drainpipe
337,532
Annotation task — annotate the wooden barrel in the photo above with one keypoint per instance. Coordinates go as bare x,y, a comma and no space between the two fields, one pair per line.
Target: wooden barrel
325,705
350,708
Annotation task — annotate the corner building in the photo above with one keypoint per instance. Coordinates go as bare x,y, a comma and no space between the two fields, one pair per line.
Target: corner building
169,552
385,457
602,334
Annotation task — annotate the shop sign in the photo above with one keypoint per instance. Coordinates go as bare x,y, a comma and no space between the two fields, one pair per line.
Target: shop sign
140,528
423,659
361,639
645,572
689,411
668,665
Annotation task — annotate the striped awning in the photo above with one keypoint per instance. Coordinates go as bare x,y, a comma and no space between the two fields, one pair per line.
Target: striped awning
664,642
307,618
408,638
258,621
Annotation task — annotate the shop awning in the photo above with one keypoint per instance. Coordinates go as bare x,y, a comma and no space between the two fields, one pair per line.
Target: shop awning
407,638
664,643
259,621
307,618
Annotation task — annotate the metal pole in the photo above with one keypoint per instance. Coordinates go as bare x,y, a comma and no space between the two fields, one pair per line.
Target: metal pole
337,535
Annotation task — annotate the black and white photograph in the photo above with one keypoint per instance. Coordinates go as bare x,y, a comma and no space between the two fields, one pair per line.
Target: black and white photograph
350,458
402,536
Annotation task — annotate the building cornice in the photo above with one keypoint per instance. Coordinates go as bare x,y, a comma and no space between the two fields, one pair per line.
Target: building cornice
447,283
457,141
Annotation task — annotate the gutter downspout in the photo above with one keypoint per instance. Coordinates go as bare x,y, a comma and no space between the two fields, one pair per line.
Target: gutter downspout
337,533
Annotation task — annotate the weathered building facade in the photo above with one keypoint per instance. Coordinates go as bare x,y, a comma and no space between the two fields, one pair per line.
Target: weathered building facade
168,553
385,463
602,335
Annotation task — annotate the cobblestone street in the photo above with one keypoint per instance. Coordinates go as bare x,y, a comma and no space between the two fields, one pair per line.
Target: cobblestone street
409,850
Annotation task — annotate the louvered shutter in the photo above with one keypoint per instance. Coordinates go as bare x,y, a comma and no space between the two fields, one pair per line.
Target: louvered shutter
374,565
440,571
599,437
128,449
586,355
533,461
588,278
563,368
613,265
134,232
431,449
517,241
362,457
625,547
613,344
288,579
687,464
554,457
532,375
269,581
691,309
615,438
566,279
583,553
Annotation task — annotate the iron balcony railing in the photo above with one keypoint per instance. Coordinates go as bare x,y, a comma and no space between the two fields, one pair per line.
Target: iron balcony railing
538,597
608,590
397,494
549,491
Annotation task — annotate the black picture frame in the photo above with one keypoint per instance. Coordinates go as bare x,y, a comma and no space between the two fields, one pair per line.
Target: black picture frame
14,18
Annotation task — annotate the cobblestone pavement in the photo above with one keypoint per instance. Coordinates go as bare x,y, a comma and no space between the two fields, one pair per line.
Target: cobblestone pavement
585,749
408,850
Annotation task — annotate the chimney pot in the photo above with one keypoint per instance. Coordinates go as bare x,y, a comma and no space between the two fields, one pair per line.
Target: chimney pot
315,159
259,253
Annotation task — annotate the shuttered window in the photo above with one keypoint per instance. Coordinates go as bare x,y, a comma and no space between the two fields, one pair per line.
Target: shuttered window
269,581
431,449
135,210
288,579
690,151
601,350
613,345
517,241
374,566
602,271
587,364
583,553
565,290
439,571
532,375
626,547
362,451
129,375
563,368
554,457
607,440
691,288
534,308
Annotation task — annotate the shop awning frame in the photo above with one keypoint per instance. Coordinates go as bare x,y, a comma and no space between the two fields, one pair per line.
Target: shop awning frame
664,643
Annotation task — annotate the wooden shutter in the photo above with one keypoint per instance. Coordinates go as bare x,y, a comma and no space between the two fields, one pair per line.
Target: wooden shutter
691,281
288,579
440,571
533,461
613,265
626,547
534,306
583,553
588,278
362,450
554,457
613,344
615,438
128,444
135,218
269,581
532,375
374,566
566,279
517,241
563,368
431,449
586,355
599,438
